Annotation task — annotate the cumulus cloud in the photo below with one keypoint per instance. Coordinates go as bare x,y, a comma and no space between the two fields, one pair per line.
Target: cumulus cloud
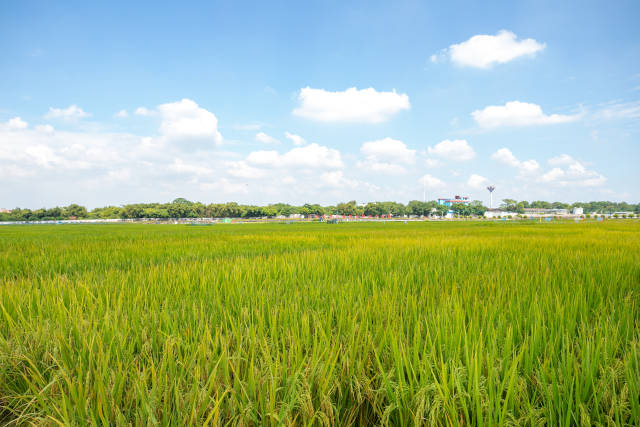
143,111
386,155
516,113
484,51
432,163
264,158
182,167
505,156
43,150
574,174
240,169
310,156
45,128
568,171
15,123
225,186
458,149
431,182
562,159
526,168
477,181
266,139
72,112
337,179
296,139
351,105
94,167
184,119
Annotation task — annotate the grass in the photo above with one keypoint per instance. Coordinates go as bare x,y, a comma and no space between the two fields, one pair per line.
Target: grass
453,323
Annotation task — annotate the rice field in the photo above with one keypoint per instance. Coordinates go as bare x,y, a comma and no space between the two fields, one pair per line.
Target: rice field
451,323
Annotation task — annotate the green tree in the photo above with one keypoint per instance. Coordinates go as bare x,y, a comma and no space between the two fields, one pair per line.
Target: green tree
76,210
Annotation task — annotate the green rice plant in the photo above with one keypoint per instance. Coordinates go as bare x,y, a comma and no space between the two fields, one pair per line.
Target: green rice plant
426,323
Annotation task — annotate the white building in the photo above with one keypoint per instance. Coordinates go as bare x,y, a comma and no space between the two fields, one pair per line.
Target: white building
577,211
495,213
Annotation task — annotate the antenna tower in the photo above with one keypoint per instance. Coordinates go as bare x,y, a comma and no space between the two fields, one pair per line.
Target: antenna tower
491,188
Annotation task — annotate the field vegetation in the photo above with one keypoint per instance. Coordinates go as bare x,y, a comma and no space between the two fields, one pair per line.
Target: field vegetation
452,323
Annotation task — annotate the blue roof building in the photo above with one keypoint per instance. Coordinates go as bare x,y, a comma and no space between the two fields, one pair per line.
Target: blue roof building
455,201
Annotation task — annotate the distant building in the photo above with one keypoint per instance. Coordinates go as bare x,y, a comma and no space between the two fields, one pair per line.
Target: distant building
495,213
577,211
542,212
625,213
3,210
457,200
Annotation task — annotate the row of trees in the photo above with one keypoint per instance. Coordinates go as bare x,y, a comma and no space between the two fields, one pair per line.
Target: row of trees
182,208
602,207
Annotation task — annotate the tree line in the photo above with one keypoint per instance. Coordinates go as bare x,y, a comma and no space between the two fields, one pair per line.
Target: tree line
182,208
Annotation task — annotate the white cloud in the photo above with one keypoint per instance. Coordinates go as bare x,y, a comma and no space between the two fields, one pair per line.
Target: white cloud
618,111
240,169
45,128
477,181
180,166
553,175
504,155
143,111
526,168
313,156
73,112
310,156
458,150
122,114
388,156
351,105
264,158
388,149
225,186
248,127
266,139
43,150
484,51
15,123
432,163
337,179
529,167
575,174
43,166
184,119
296,139
563,159
516,113
431,182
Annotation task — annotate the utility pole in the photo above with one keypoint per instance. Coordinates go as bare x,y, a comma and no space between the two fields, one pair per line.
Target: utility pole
424,190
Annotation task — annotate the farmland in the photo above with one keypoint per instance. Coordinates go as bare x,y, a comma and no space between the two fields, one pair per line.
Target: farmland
452,323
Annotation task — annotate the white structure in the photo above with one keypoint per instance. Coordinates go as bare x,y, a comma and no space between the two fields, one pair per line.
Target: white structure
491,188
545,212
577,211
495,213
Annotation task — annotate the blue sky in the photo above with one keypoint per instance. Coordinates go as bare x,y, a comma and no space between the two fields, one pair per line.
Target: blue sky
317,101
